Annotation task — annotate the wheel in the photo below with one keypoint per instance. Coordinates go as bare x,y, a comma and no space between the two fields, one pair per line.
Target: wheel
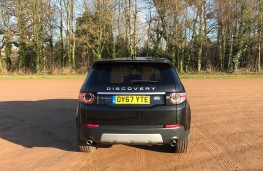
86,148
182,146
82,143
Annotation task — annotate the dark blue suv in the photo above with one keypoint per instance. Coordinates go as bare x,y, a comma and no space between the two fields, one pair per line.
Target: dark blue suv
138,101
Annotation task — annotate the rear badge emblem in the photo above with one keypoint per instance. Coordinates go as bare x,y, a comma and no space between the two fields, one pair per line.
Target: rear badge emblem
157,98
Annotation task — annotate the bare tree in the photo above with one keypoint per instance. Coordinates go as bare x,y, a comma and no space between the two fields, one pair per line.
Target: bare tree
194,35
6,14
70,35
135,28
259,5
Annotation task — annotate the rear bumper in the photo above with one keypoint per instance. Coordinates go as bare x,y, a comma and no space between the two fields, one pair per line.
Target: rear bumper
132,135
157,115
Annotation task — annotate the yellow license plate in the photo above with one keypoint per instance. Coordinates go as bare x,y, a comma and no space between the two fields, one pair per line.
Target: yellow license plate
130,99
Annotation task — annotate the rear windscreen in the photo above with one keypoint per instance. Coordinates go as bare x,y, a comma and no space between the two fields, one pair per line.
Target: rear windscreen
130,73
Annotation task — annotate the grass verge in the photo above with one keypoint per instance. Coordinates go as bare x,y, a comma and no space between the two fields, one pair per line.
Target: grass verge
29,77
183,76
217,76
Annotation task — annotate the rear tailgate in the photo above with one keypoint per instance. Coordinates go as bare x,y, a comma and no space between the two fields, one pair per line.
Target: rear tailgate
131,108
133,93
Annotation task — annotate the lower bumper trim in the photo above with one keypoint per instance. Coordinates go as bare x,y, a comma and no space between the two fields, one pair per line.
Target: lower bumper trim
132,138
132,135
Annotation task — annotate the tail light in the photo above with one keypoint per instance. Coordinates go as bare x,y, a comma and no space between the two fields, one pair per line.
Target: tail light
86,98
177,98
172,126
91,125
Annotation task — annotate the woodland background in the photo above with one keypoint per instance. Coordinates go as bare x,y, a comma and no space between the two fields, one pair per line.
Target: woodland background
56,36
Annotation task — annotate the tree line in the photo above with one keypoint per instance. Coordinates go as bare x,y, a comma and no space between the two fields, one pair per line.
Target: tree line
54,35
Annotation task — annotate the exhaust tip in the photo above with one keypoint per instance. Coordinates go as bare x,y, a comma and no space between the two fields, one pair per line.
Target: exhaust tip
173,143
89,142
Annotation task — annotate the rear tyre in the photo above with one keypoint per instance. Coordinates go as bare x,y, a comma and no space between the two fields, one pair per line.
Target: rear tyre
86,148
82,143
182,146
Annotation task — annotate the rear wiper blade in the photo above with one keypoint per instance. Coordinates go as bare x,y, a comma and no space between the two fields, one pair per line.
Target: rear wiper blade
143,81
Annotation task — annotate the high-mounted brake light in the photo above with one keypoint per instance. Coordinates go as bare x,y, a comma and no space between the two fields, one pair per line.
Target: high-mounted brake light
177,98
86,98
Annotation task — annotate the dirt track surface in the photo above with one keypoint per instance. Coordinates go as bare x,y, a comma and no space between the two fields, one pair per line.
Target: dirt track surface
37,129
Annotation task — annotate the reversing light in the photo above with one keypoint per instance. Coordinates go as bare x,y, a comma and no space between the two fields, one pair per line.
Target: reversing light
177,98
86,98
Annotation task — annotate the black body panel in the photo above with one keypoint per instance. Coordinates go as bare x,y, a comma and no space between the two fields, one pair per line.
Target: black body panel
167,134
158,115
156,79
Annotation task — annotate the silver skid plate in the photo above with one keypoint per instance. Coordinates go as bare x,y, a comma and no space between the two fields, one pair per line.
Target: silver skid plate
132,138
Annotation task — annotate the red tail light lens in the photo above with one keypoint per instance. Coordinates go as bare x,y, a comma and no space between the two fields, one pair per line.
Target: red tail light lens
86,98
91,125
177,98
173,126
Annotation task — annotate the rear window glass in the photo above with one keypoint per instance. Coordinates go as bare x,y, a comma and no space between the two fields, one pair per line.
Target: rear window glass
130,73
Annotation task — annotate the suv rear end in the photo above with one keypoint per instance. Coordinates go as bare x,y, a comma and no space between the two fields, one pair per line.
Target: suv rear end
137,101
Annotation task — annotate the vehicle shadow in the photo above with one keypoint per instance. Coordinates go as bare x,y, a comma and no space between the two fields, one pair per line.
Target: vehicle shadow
44,123
156,148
